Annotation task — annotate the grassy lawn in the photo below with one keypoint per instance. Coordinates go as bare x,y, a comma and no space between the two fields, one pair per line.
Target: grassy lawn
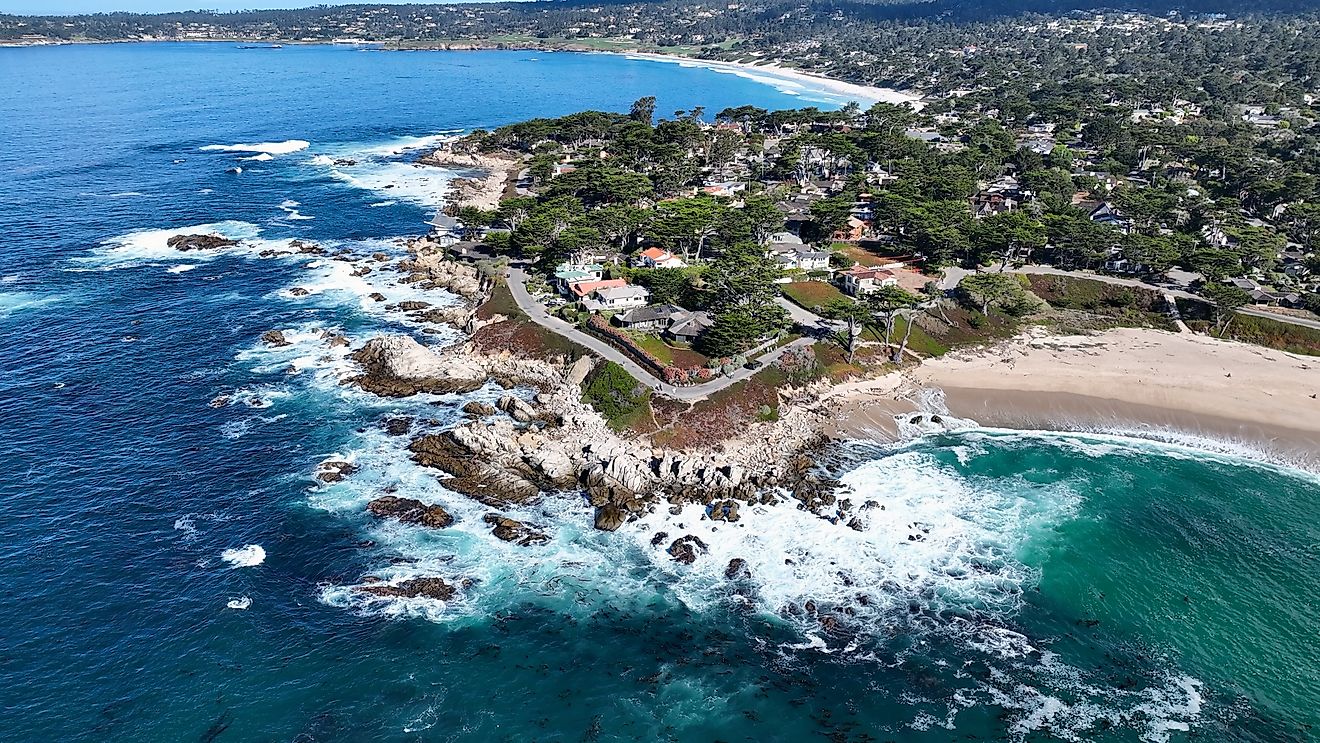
866,256
501,303
1111,305
811,295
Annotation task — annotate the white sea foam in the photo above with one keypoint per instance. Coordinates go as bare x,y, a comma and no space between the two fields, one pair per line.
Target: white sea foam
379,204
240,603
247,556
262,158
181,268
13,302
268,148
151,246
378,168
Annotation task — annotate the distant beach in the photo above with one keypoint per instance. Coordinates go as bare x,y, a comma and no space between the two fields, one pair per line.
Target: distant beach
789,80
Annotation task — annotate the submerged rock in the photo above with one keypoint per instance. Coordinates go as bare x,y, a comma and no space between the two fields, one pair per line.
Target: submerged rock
200,242
685,549
431,588
398,426
737,569
410,511
513,531
331,472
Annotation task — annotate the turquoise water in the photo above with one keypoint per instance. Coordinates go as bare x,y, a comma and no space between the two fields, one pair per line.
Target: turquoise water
1020,587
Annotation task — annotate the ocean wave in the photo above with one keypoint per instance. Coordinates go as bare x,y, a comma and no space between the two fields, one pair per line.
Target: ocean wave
152,246
247,556
267,148
16,302
262,158
379,168
240,603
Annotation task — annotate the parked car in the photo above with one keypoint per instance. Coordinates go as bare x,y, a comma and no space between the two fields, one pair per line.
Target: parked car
753,364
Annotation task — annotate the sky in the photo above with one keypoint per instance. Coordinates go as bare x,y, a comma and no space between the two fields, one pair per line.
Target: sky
66,7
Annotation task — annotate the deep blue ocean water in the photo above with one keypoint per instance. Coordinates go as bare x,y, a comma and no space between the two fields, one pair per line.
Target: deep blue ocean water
1064,588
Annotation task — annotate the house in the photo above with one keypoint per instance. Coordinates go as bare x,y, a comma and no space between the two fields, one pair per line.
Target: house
569,274
616,297
1105,213
1117,262
658,258
583,289
1215,236
860,280
652,317
446,230
783,238
852,231
986,204
799,257
687,329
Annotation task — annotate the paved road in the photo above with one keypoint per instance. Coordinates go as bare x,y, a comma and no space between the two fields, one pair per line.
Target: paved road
953,275
518,288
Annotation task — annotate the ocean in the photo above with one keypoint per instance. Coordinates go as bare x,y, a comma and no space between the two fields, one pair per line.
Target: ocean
174,572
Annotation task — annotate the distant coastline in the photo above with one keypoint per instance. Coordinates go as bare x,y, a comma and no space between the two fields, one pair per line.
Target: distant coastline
787,79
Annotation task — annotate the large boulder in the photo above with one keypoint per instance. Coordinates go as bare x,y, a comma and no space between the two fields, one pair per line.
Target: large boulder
334,471
610,517
398,366
274,338
410,511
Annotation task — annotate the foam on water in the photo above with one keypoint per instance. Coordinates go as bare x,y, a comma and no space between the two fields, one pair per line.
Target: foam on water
151,246
384,168
14,302
266,148
247,556
240,603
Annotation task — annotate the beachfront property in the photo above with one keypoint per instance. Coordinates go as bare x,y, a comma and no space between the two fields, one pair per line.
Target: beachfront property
861,280
658,258
568,274
446,231
615,297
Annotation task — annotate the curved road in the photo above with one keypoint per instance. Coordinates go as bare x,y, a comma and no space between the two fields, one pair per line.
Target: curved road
517,279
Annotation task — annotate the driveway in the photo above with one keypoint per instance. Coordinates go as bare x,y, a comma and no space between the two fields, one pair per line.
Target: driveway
691,393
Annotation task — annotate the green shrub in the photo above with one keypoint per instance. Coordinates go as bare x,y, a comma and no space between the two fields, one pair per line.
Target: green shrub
615,394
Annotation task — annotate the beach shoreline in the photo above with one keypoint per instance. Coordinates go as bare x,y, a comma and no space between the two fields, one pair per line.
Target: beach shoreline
1220,396
795,81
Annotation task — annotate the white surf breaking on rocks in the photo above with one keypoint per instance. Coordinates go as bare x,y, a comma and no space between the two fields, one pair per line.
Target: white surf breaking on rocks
247,556
268,148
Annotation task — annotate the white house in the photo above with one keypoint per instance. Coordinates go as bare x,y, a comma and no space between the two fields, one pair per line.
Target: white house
860,280
617,298
658,258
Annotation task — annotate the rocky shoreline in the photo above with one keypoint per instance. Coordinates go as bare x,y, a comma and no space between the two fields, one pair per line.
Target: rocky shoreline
540,437
482,192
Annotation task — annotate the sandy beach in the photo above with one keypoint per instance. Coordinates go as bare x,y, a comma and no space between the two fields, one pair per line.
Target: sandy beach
788,80
1175,387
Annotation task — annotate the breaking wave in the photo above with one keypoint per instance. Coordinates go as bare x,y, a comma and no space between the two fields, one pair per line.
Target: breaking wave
266,148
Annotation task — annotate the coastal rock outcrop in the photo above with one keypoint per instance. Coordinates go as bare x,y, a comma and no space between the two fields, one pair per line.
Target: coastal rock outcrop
431,588
398,366
200,242
334,471
513,531
478,409
410,511
274,338
686,548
